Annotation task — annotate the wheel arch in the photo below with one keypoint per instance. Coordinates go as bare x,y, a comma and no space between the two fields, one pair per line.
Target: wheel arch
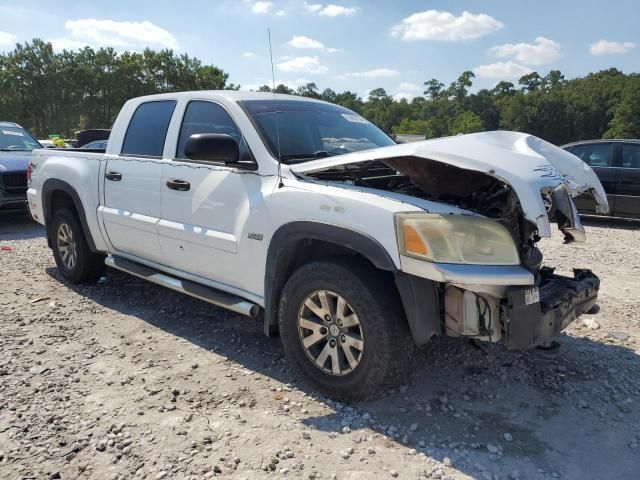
419,296
53,190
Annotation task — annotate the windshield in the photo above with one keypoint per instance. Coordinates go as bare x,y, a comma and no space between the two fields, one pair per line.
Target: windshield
310,130
16,139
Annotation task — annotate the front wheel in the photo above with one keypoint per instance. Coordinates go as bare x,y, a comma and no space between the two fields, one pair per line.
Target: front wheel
344,327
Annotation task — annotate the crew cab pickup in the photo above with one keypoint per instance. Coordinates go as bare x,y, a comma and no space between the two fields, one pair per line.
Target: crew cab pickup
354,248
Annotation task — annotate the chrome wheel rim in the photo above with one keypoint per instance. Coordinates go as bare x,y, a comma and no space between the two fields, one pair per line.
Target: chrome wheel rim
67,246
330,333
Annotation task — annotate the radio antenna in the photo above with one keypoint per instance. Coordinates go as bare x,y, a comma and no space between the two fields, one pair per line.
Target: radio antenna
275,107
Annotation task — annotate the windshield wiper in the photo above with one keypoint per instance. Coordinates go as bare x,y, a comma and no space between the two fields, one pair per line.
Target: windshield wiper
304,156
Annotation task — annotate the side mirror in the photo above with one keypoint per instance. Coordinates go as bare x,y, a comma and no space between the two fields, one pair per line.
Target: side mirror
212,147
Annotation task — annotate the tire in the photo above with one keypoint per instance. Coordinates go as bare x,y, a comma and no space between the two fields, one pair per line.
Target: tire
387,345
74,259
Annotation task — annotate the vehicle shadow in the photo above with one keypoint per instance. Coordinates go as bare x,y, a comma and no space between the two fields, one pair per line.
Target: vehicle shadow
19,225
486,409
610,222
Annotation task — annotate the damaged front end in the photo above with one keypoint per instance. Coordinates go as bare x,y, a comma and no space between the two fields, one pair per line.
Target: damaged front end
516,180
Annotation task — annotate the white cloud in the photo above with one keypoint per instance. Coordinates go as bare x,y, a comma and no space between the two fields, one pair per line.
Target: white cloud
606,47
65,43
330,10
539,53
7,39
501,70
445,26
262,8
303,64
300,41
410,87
312,7
404,96
248,55
280,13
375,73
111,33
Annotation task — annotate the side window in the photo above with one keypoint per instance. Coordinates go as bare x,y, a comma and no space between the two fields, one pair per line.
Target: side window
206,117
631,155
148,129
595,154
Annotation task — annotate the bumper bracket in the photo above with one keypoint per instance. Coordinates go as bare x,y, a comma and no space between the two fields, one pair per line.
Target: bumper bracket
562,300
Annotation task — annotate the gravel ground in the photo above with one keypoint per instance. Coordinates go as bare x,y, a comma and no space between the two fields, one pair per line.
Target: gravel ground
123,379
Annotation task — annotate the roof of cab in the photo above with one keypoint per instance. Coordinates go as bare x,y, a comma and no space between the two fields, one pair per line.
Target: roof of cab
231,95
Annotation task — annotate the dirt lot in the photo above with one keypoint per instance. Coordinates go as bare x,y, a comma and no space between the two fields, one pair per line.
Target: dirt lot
123,379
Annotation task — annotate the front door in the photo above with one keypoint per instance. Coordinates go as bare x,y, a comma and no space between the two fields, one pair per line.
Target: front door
131,207
600,157
205,204
628,181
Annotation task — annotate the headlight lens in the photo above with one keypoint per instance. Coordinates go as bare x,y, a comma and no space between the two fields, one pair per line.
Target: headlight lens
455,239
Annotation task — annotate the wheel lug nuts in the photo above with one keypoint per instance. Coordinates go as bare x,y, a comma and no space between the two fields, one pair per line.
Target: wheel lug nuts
340,322
332,343
327,318
343,338
323,331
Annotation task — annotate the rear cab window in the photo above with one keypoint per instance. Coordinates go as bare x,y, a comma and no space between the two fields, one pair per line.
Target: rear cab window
595,154
147,129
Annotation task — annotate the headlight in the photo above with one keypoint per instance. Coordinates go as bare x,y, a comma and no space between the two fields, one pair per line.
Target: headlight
455,239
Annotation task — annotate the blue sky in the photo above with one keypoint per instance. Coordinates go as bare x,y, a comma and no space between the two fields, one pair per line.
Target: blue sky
350,44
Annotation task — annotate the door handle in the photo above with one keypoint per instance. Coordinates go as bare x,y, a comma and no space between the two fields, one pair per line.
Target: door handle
178,184
113,176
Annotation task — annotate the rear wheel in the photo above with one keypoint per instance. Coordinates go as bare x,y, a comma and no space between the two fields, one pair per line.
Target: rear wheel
344,327
75,260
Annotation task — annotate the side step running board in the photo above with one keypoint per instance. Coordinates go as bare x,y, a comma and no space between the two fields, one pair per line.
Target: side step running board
208,294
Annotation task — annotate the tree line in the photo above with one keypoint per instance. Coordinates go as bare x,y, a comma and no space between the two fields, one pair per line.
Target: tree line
62,92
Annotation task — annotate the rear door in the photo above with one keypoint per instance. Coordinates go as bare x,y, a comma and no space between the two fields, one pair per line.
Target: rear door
628,181
600,156
131,209
205,204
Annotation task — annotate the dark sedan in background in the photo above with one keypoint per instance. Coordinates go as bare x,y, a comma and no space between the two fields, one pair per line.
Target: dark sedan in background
15,150
617,164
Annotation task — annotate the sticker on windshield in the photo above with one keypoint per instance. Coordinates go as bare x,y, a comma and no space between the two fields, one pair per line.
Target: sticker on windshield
353,118
11,132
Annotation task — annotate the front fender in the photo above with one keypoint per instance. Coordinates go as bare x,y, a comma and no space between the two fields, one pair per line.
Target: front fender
418,295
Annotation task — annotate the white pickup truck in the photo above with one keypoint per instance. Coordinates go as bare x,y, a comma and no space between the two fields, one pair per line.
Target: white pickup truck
356,249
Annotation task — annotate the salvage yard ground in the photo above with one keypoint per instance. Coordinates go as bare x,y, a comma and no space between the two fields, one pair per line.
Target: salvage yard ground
123,379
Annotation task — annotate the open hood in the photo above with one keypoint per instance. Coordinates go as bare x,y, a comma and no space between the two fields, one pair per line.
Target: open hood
532,167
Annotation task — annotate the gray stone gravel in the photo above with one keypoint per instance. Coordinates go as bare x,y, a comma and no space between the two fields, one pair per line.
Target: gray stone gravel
125,380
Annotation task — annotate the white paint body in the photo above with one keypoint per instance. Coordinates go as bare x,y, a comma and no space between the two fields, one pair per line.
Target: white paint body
203,234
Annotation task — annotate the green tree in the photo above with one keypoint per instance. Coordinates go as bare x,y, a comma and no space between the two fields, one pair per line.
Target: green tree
434,88
412,127
626,119
465,122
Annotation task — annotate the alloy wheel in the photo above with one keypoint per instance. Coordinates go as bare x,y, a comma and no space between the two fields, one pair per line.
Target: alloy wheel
330,332
67,247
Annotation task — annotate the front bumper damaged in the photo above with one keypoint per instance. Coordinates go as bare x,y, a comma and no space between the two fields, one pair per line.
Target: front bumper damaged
534,317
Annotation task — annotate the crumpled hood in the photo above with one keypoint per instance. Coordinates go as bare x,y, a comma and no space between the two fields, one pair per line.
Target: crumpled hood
14,162
527,163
